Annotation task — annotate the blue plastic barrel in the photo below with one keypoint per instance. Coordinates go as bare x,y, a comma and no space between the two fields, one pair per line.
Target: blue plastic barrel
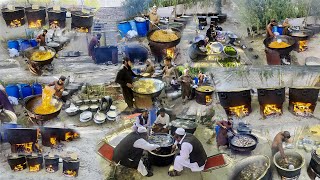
5,127
25,44
196,80
133,25
124,27
33,42
148,25
12,44
37,88
13,90
280,30
142,28
25,90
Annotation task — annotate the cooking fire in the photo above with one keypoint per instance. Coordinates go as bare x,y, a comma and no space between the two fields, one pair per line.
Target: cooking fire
303,45
15,23
302,109
272,109
34,168
239,111
35,24
70,173
19,167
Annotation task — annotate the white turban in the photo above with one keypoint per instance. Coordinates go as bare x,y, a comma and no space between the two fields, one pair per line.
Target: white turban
142,129
180,131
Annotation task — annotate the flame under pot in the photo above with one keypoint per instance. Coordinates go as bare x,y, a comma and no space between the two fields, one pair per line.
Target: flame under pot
35,163
51,163
71,167
18,163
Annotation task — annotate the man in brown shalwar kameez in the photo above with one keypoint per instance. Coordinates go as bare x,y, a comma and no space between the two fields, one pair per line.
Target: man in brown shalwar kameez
58,86
186,82
154,18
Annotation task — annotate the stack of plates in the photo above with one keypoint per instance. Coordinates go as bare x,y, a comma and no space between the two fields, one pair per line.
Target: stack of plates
85,116
113,108
111,115
99,118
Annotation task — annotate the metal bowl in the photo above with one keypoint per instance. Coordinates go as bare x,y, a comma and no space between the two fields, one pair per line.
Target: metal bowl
164,45
85,116
31,102
224,50
236,147
250,160
72,111
289,173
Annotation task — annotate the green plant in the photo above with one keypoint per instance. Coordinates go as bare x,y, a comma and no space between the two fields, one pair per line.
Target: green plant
135,7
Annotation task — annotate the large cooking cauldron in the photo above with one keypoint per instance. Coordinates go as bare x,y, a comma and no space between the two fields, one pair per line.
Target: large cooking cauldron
284,172
236,147
57,15
287,39
188,125
9,15
31,102
164,45
175,25
260,159
158,84
204,94
29,53
80,19
315,162
300,35
164,156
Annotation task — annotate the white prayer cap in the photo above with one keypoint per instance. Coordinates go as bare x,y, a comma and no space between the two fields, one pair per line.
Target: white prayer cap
180,131
142,130
199,38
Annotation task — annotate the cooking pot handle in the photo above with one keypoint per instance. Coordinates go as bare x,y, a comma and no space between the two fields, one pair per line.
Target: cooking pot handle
223,96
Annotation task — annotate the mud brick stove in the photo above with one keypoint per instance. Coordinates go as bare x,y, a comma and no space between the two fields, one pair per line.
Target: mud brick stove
23,140
271,101
82,22
303,101
57,17
236,103
52,136
36,17
15,17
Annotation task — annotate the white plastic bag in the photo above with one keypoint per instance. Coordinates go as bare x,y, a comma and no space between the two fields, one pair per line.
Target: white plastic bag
13,53
132,34
13,100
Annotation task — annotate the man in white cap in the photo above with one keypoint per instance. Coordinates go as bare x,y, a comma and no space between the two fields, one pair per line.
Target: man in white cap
130,150
192,154
195,50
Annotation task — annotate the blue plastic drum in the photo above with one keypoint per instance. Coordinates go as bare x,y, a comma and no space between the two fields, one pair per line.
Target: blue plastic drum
25,90
142,26
13,90
133,25
12,44
124,27
25,44
33,42
37,88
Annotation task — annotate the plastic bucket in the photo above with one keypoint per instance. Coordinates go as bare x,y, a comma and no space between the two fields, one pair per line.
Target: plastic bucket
37,88
280,30
12,44
124,27
25,90
196,80
133,25
25,44
13,90
33,42
5,127
142,28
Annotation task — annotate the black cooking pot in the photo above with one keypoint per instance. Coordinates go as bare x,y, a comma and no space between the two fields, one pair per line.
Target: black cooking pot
236,147
313,27
188,125
222,18
29,53
80,19
57,15
300,36
287,39
163,156
288,173
164,45
31,102
181,20
9,15
315,162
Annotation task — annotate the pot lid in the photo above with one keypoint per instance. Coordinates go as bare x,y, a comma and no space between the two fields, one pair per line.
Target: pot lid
185,124
112,114
205,89
84,107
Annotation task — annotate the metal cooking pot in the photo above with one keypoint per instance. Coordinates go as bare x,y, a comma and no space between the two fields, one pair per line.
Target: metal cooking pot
247,161
29,52
287,39
158,84
164,156
31,102
164,45
236,147
288,173
188,125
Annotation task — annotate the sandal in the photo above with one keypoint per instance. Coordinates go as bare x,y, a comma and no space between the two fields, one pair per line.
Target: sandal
174,173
